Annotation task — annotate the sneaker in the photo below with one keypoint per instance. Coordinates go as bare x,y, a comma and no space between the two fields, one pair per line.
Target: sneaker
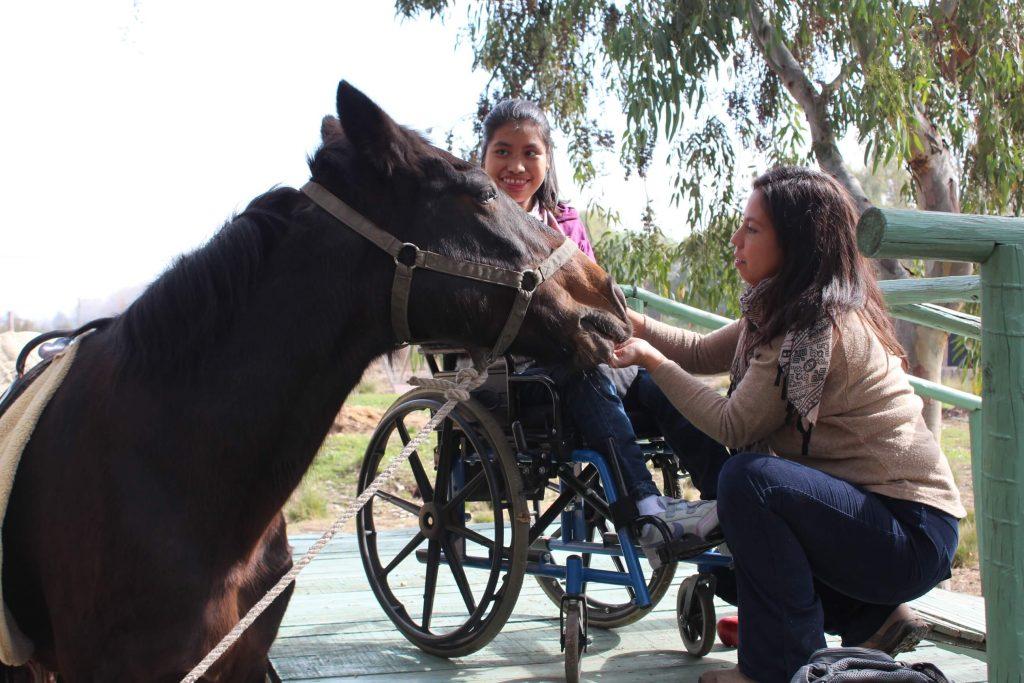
681,517
901,632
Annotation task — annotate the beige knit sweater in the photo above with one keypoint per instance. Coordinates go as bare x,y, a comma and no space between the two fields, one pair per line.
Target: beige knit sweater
869,431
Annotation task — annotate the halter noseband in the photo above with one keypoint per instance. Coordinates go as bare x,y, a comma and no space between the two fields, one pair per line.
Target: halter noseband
408,257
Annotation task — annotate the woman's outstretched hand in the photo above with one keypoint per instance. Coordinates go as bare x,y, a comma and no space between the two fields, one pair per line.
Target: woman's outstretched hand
635,351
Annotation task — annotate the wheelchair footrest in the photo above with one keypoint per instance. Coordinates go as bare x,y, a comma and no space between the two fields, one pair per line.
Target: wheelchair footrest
688,547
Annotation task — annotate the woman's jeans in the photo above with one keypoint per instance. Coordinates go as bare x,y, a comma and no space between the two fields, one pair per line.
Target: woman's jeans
814,553
599,414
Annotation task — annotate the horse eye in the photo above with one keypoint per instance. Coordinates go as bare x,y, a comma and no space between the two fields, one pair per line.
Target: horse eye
489,196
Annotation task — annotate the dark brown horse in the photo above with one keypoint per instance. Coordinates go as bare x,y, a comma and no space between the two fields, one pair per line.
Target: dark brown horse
145,517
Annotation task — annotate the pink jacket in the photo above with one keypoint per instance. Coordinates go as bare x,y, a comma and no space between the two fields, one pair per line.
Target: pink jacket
571,225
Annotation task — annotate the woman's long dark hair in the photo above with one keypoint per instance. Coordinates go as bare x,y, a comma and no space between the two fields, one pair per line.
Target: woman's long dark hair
525,111
823,272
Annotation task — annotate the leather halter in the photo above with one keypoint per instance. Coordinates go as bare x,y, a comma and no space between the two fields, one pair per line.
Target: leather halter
408,257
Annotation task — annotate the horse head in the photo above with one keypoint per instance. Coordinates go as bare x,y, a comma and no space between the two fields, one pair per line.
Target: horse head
425,196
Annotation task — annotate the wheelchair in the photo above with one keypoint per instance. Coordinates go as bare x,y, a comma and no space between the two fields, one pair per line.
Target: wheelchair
505,489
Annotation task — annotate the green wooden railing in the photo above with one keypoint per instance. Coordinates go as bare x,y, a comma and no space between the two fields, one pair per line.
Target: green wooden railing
923,387
997,441
997,433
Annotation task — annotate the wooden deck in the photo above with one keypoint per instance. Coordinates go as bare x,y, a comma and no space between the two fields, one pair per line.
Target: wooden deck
335,631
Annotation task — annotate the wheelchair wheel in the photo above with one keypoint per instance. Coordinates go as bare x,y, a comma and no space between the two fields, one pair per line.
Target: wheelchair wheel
613,613
695,615
482,564
574,639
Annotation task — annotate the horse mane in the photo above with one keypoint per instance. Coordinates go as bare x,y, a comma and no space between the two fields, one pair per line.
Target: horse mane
186,309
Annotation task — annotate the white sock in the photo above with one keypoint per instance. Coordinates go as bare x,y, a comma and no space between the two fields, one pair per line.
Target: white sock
650,505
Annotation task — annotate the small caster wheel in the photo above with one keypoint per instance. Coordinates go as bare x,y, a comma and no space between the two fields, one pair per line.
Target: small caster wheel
574,638
695,614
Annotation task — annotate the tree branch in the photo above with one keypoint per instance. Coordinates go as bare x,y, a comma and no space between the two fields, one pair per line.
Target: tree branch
829,89
784,65
781,61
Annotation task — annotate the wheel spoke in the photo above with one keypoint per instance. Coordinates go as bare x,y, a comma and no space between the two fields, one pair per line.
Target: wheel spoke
433,560
466,491
471,535
444,461
455,564
410,507
404,553
422,480
403,432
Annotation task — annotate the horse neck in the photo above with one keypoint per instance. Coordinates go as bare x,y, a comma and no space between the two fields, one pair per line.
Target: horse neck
271,388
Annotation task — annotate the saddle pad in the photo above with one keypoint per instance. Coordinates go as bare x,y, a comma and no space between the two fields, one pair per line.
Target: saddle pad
16,427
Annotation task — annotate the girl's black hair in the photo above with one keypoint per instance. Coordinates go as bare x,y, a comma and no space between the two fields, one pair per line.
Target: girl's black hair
525,111
823,272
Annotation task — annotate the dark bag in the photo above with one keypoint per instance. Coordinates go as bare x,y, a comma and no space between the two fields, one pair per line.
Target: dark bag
850,664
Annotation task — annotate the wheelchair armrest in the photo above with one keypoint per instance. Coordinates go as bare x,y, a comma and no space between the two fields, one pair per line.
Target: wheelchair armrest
515,409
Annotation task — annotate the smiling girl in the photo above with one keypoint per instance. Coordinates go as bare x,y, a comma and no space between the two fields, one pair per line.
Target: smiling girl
516,152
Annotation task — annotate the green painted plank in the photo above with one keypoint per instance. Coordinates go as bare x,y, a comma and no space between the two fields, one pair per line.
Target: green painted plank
952,288
694,316
940,318
960,399
909,233
940,392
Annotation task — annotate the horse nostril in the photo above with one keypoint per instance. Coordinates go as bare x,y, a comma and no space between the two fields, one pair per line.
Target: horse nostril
605,325
618,300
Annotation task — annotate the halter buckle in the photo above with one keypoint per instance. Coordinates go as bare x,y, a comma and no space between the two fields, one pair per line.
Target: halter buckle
407,254
531,280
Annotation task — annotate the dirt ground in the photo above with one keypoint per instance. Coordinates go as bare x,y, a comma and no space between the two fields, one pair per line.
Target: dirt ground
356,420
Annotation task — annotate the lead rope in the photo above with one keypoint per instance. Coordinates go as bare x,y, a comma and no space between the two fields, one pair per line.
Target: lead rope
466,380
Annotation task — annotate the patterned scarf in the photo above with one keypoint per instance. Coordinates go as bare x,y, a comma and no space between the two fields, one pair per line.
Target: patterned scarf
803,361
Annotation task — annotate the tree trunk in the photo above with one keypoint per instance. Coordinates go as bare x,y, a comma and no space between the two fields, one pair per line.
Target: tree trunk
931,166
935,175
815,107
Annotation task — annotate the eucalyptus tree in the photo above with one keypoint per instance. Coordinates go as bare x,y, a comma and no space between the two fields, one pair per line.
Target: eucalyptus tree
936,86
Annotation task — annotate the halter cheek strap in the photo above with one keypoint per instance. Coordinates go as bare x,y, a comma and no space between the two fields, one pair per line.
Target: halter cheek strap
408,257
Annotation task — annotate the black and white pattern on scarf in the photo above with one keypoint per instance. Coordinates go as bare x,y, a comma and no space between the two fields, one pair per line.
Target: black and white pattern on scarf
803,362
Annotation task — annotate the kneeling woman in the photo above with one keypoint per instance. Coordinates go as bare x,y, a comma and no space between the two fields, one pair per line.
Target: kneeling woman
839,505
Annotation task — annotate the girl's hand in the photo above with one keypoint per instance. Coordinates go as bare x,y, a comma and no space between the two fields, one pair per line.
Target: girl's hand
639,322
635,351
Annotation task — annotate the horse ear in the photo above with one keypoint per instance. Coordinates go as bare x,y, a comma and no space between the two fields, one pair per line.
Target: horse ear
330,129
381,141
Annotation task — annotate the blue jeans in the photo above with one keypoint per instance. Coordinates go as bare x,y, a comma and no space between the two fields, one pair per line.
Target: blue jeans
814,553
599,414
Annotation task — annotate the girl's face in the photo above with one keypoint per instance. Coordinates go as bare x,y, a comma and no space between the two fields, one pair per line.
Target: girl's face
756,249
517,160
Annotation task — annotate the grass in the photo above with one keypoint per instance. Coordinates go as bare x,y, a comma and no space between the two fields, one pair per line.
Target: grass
956,444
335,466
967,552
371,400
956,441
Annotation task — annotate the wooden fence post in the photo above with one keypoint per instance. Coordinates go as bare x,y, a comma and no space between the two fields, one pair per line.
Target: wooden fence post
998,244
1000,502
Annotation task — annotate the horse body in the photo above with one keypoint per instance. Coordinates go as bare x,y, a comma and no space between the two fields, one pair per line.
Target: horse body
145,518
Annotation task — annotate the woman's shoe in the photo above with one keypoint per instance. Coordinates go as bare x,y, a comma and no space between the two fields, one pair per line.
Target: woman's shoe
733,675
901,632
728,629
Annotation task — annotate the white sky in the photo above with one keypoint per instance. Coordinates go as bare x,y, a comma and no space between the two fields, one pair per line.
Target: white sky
129,132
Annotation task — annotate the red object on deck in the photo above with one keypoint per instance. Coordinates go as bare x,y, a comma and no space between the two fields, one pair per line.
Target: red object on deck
729,631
